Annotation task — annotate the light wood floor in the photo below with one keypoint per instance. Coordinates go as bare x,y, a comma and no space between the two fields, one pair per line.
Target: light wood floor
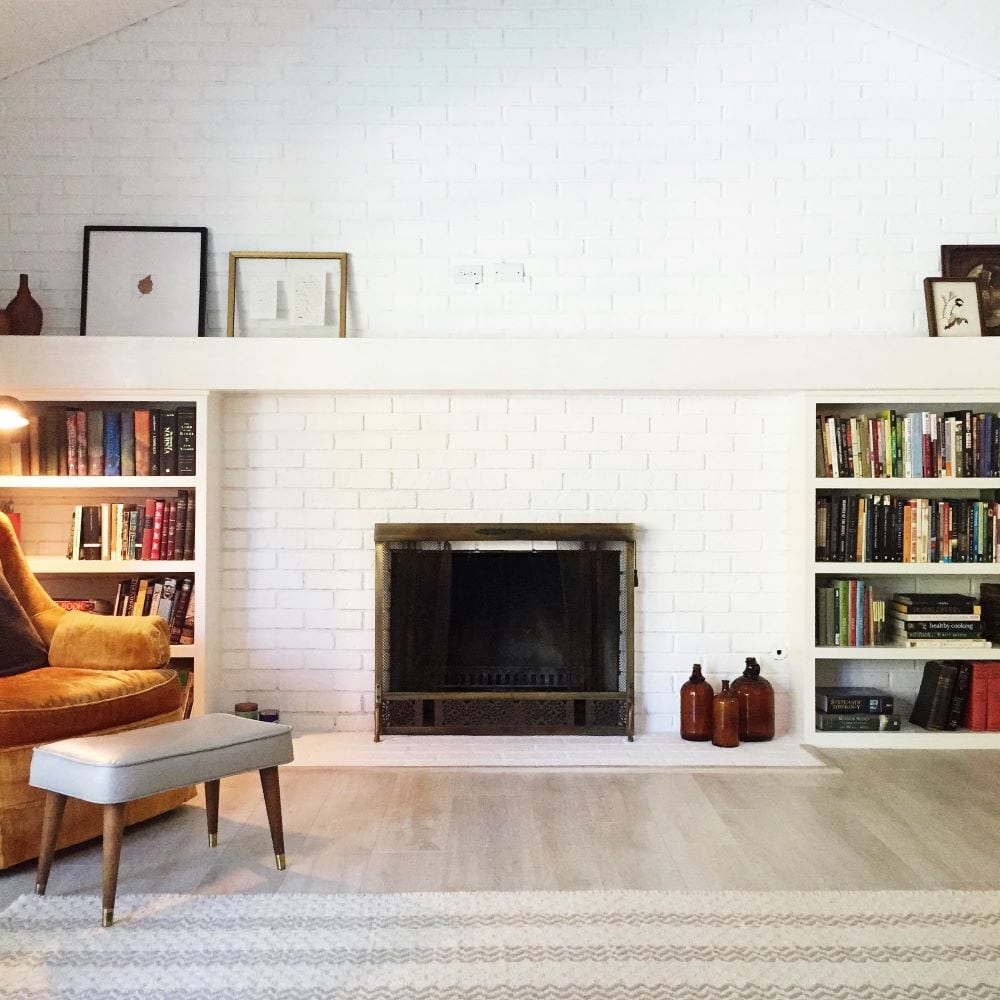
884,820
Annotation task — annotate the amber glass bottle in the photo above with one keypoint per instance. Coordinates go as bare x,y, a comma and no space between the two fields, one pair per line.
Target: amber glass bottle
756,701
696,707
725,718
23,313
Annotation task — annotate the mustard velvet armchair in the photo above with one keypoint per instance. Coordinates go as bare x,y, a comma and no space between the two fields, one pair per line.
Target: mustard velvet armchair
101,674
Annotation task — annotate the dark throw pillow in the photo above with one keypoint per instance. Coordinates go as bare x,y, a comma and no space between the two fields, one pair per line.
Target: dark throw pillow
20,647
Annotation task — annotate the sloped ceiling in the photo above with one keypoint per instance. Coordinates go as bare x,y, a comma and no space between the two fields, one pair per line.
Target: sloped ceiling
32,31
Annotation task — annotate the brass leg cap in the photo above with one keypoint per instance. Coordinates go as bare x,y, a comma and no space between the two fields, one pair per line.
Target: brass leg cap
213,840
107,917
39,889
279,860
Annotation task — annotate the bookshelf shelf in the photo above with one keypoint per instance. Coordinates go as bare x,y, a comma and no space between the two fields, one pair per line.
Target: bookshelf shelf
905,653
905,569
892,669
61,566
46,504
942,484
110,484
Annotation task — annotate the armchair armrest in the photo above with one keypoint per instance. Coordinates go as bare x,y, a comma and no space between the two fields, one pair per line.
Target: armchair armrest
96,642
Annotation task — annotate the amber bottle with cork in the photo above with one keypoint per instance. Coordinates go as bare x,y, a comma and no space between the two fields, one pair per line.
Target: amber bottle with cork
725,718
755,697
696,707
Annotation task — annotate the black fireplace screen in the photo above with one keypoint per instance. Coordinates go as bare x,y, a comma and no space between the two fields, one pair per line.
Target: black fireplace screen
508,620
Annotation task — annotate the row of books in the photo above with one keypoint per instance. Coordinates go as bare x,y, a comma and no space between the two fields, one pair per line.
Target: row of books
922,445
866,527
855,710
168,597
851,613
154,529
79,441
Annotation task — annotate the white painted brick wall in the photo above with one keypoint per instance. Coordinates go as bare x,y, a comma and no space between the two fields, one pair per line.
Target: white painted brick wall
298,559
731,167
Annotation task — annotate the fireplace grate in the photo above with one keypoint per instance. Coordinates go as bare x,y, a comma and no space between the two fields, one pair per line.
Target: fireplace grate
504,680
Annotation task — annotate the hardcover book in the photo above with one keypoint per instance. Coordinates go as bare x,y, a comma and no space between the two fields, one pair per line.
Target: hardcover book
95,442
185,440
835,722
168,442
154,442
128,443
933,704
142,432
982,708
112,443
867,700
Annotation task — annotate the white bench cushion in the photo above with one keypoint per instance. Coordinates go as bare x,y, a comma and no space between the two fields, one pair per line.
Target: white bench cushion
119,767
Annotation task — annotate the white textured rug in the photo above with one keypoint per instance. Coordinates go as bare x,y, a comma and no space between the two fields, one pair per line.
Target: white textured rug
657,750
508,946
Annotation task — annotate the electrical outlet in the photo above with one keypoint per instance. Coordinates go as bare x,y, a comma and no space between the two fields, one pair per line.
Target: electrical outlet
469,274
779,652
508,274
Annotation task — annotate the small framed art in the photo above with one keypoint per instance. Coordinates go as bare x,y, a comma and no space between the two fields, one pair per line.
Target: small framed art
982,262
954,307
143,281
287,294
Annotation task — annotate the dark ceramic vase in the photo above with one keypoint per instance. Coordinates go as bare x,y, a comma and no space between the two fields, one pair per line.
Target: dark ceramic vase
696,707
4,323
23,313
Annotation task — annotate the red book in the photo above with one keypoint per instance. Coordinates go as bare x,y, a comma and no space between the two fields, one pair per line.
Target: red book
982,711
148,516
156,546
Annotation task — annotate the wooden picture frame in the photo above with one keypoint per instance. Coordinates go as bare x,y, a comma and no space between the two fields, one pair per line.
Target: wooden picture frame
291,293
980,261
954,307
144,281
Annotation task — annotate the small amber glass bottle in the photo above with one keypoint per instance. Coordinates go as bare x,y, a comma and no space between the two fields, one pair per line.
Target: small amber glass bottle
696,707
725,718
756,701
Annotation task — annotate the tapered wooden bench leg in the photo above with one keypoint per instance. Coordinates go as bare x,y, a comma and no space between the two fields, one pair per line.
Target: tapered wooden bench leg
55,805
114,821
272,801
212,809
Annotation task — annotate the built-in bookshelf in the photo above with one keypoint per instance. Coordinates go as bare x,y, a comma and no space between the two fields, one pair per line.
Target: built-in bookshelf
88,525
903,499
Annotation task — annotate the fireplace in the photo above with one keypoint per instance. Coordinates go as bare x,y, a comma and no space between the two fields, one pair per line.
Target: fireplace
513,629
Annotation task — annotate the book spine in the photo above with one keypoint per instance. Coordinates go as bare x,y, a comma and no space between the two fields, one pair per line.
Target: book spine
72,449
168,442
90,532
154,442
866,705
95,442
189,529
112,443
170,529
128,443
960,695
179,613
186,440
850,723
142,431
149,515
156,543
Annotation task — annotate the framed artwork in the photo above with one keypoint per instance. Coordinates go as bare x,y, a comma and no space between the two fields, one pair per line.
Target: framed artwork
982,262
287,294
954,307
144,281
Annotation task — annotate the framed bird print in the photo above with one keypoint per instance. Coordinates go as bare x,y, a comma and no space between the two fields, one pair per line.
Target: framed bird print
954,307
982,262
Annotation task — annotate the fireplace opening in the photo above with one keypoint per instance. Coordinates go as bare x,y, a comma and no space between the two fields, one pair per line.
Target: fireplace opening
477,632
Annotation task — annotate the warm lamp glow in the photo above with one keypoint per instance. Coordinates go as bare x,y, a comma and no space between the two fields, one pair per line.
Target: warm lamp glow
12,414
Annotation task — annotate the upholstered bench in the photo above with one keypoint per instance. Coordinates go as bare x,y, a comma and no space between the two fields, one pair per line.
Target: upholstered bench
119,767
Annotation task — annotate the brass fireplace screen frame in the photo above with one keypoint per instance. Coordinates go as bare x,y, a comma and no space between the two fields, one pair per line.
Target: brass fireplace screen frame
516,712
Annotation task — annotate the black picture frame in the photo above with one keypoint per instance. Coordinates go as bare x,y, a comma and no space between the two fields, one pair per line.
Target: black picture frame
172,258
980,261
